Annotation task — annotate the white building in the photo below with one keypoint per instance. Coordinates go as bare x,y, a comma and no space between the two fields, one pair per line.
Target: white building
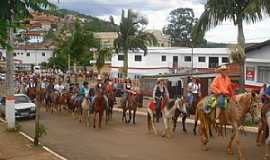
29,55
169,60
258,64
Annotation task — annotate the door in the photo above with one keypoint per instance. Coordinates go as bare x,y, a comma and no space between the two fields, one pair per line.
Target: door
175,62
213,62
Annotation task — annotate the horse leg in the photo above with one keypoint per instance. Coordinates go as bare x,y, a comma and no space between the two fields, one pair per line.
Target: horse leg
149,121
129,115
134,116
259,134
184,122
175,117
152,121
100,119
229,146
203,127
94,119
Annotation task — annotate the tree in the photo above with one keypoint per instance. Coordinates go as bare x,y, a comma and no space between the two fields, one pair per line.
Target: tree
180,25
131,36
239,11
75,43
12,12
103,54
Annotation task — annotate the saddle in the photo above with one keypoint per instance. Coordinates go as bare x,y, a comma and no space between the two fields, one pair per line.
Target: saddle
152,105
212,101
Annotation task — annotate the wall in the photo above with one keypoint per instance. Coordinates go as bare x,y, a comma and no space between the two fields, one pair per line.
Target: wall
256,58
151,64
35,57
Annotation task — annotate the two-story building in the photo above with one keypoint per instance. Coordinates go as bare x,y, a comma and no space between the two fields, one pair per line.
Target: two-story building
29,55
169,60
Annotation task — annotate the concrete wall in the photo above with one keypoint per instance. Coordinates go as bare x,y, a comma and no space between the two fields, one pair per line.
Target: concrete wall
35,56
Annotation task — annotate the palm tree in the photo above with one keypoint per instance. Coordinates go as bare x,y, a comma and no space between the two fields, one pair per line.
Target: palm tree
131,36
103,55
239,11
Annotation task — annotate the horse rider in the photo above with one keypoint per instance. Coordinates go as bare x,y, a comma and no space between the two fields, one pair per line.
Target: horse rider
222,88
100,88
193,91
160,93
59,87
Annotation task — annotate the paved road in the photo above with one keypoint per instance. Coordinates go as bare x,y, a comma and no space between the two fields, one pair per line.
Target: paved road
118,141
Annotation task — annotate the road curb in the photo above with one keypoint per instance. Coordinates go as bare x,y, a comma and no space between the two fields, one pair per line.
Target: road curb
57,155
191,121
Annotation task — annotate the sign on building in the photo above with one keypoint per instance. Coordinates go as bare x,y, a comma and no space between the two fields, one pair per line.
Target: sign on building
250,73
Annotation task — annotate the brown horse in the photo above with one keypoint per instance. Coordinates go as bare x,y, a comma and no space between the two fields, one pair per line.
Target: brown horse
62,100
111,102
85,114
133,102
31,93
233,115
98,108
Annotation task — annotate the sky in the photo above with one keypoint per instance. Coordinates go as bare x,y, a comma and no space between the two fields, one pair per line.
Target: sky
157,12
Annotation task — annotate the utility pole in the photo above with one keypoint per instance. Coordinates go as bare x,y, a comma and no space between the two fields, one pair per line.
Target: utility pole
10,87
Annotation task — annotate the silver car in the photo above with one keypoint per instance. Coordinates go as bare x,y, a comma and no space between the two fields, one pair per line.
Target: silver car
24,108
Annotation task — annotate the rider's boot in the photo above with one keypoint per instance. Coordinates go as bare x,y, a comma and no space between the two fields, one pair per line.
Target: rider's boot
157,114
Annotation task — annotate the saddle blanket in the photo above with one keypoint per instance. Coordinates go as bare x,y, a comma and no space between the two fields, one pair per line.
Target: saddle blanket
152,105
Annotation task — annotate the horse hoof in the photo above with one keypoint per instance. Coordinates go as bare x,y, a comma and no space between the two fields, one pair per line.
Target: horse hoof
258,144
184,130
205,148
229,151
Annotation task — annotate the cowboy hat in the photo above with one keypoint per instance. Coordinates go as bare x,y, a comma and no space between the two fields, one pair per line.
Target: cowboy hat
221,68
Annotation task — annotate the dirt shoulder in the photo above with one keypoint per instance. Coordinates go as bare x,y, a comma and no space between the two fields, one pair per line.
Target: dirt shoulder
14,146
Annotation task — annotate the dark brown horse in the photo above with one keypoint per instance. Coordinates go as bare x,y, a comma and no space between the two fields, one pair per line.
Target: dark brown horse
133,102
98,108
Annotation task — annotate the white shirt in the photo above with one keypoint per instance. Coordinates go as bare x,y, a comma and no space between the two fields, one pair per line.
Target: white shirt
59,88
194,88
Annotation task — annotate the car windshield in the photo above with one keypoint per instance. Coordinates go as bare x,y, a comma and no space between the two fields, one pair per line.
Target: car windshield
21,99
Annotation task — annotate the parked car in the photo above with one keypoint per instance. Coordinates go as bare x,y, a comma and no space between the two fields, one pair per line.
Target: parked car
24,108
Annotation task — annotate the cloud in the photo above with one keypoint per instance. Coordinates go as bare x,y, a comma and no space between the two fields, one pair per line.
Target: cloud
157,12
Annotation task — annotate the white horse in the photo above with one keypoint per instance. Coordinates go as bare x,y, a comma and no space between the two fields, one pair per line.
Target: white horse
168,112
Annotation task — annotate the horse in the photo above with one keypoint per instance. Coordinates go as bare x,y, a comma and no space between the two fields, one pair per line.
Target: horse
233,114
98,108
85,113
111,102
62,100
169,114
134,101
31,93
181,110
263,136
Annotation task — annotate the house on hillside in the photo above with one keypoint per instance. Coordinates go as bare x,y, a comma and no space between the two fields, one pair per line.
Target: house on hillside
106,39
169,60
25,56
257,67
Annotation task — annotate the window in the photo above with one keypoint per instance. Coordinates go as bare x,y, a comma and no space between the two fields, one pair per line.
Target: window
163,58
22,53
18,53
187,58
28,54
14,54
120,57
43,54
138,58
263,74
201,59
225,60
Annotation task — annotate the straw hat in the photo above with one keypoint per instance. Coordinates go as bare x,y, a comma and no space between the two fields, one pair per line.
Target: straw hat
222,68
